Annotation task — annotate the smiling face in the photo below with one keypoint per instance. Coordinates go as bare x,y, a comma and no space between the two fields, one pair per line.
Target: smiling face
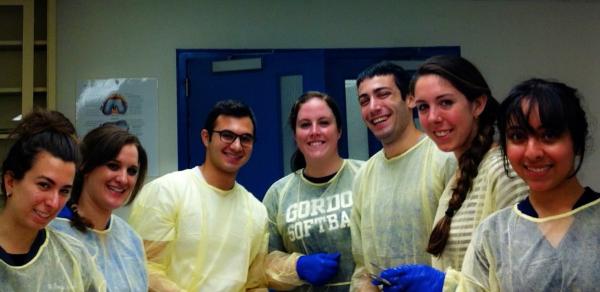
447,116
37,198
228,158
109,186
382,108
543,159
316,130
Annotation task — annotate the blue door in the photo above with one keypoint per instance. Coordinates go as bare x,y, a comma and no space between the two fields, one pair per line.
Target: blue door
260,88
269,81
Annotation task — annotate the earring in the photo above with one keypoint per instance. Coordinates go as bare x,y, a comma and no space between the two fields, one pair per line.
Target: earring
8,194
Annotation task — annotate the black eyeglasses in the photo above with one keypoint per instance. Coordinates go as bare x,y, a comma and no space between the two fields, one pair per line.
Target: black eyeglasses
229,137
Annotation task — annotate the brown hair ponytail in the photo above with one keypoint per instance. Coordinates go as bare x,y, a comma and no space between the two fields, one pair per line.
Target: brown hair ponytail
468,165
467,79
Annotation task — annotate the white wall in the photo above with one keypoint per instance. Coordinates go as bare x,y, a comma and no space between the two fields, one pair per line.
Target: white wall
508,40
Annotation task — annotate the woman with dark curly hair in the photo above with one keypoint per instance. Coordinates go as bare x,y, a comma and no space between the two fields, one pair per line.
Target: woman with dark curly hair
37,178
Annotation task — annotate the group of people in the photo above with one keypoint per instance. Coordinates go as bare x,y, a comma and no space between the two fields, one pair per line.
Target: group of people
454,206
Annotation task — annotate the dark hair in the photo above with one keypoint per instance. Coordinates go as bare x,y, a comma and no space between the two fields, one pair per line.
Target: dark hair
401,78
100,146
559,108
467,79
40,130
231,108
297,160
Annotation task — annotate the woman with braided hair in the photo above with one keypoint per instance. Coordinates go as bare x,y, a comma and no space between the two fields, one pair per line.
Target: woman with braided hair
458,112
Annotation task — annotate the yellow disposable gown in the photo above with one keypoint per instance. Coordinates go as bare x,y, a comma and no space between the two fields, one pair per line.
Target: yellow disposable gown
118,252
62,263
395,200
306,218
198,237
512,251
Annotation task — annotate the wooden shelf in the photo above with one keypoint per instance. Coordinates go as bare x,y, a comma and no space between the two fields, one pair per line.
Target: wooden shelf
6,90
5,43
10,90
18,44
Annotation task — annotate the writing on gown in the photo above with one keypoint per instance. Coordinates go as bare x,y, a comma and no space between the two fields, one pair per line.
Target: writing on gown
318,215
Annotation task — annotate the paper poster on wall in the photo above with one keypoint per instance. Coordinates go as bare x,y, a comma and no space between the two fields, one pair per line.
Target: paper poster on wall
130,103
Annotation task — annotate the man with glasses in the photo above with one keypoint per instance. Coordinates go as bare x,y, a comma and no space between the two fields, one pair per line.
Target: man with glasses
202,231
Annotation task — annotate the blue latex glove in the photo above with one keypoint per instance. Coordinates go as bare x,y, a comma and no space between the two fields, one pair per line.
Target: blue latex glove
412,278
318,268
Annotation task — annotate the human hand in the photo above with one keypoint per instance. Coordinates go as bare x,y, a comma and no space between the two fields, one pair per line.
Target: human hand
412,278
318,268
